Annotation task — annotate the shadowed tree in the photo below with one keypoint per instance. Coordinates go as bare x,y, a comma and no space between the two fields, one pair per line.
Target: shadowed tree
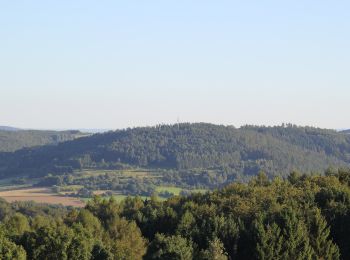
269,243
215,251
296,245
323,246
170,248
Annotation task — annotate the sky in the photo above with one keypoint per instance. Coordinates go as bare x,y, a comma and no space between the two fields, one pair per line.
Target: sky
115,64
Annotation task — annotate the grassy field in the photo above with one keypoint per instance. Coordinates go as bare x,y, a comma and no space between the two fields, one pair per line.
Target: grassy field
65,194
133,173
45,195
199,190
119,198
174,190
70,187
67,189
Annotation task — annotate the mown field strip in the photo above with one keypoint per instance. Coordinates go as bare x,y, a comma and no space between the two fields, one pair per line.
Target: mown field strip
40,195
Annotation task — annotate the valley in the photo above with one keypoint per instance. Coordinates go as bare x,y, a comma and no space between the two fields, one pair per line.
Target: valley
165,160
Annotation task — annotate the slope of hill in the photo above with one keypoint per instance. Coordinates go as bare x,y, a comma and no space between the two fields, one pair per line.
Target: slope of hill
235,153
12,140
346,131
8,128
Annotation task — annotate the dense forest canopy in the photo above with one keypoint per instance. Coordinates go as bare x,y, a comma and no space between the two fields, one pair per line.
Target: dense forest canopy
236,152
302,217
13,139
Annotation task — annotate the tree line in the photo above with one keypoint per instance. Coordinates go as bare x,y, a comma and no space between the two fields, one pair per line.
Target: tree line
236,153
300,217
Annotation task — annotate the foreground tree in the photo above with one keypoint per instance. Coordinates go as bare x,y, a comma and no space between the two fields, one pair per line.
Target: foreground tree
9,250
269,241
216,251
323,246
125,240
296,245
170,247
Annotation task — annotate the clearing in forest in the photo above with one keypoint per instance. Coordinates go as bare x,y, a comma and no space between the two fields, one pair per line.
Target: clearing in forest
40,195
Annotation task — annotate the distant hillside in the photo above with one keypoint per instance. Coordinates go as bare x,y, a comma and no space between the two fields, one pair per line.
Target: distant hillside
11,140
235,152
346,131
8,128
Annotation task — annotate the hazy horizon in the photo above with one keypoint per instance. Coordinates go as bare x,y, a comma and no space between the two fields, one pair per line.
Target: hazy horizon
101,130
112,65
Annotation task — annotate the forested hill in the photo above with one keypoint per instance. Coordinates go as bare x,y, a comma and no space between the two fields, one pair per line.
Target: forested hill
12,139
240,152
8,128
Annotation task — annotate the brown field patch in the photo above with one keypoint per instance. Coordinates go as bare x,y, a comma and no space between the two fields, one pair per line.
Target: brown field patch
40,195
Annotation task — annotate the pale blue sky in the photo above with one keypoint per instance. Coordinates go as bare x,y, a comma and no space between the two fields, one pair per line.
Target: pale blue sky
114,64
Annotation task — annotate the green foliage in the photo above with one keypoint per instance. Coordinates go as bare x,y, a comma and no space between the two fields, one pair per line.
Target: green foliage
215,251
47,243
297,244
81,244
220,153
11,141
186,226
302,217
100,252
324,248
125,240
17,224
170,247
90,222
8,249
269,241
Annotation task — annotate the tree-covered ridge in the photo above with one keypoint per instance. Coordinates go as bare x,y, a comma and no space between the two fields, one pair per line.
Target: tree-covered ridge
237,152
302,217
8,128
13,140
346,131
